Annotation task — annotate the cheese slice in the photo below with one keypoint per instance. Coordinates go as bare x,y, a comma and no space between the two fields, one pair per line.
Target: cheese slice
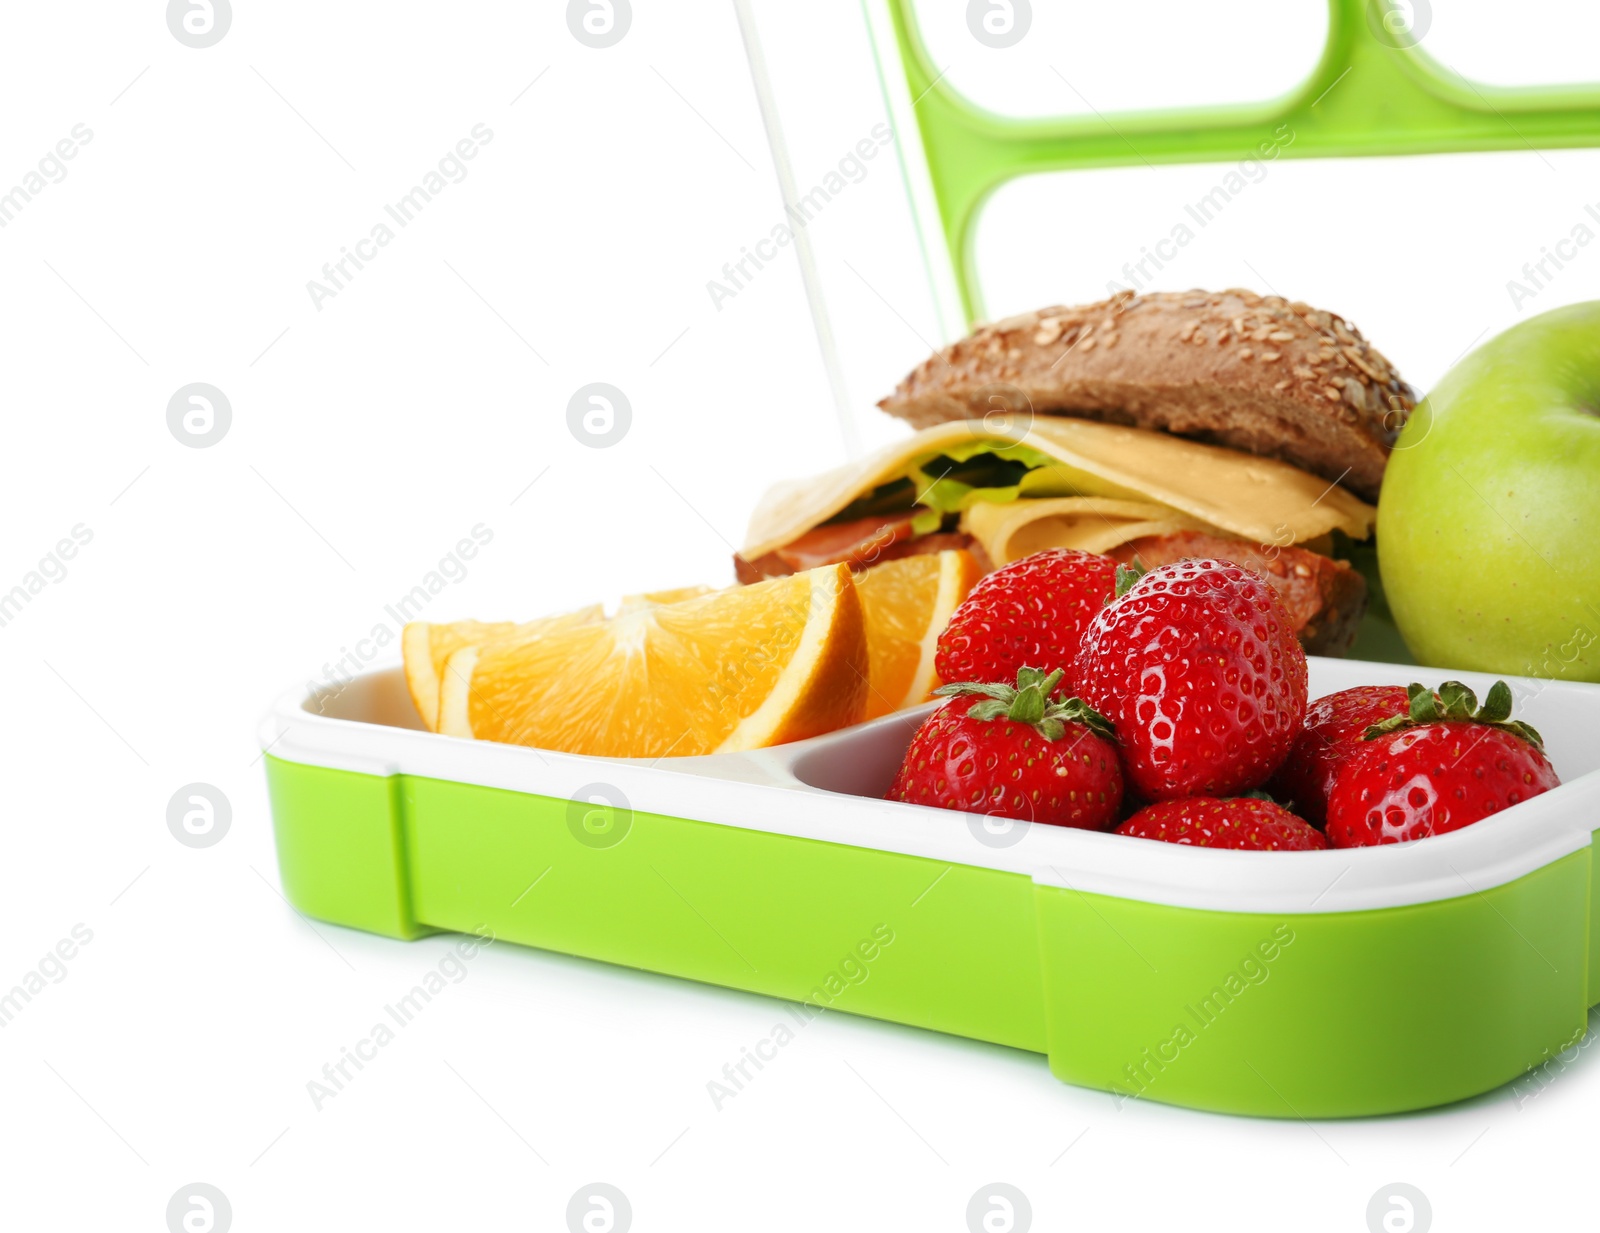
1253,498
1092,524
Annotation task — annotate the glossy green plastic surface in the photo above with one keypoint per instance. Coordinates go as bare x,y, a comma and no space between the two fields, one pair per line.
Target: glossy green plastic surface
341,847
1364,97
1317,1015
875,933
1323,1014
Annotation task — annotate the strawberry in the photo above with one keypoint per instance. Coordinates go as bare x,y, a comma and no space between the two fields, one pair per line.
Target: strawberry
1332,733
1199,671
1014,752
1250,823
1029,614
1445,764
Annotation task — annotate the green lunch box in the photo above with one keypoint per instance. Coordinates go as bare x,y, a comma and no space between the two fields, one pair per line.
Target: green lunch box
1322,984
1316,984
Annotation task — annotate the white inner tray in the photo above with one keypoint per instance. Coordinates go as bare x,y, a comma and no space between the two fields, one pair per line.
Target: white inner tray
830,788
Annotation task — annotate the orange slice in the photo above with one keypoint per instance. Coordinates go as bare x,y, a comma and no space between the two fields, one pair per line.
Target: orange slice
907,604
651,598
426,647
737,669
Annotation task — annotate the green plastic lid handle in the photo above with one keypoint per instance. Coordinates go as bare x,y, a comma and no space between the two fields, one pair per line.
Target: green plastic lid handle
1371,93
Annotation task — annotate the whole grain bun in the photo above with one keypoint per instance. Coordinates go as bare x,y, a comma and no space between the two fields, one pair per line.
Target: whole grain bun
1256,373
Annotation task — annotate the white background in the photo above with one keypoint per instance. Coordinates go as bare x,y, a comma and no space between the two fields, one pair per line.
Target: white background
430,396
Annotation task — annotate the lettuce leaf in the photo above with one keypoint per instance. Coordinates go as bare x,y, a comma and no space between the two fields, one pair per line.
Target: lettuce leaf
953,481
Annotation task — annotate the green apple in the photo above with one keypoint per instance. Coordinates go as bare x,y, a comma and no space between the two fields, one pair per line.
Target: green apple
1489,518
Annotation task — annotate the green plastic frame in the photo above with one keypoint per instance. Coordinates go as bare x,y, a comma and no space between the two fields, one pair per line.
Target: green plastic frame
1364,97
1265,1014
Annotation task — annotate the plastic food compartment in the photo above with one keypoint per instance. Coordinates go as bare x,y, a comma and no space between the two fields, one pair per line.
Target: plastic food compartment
1319,984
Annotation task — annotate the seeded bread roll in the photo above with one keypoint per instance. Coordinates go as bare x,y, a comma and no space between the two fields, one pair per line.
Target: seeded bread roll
1256,373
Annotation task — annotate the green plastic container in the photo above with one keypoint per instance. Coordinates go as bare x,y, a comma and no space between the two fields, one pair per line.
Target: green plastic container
1318,984
1393,98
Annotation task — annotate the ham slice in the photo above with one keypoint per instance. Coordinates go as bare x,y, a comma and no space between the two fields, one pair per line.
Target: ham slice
860,543
1325,599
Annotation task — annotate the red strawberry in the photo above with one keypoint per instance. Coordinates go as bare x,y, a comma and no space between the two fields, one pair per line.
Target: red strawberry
1334,728
1200,673
1014,753
1445,765
1029,614
1246,822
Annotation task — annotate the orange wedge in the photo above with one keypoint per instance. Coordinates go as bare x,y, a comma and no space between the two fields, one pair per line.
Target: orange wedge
652,598
907,603
737,669
426,647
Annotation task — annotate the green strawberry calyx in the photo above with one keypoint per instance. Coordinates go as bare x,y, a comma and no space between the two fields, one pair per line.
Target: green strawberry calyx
1128,576
1454,700
1029,701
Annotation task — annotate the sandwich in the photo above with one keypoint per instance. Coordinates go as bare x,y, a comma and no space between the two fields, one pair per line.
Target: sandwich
1145,427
